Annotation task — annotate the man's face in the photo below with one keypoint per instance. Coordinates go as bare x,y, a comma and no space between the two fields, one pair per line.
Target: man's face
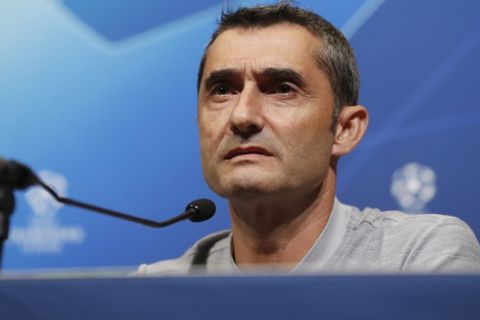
264,113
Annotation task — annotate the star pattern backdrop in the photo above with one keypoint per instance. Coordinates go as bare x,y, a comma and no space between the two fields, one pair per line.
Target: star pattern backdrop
99,97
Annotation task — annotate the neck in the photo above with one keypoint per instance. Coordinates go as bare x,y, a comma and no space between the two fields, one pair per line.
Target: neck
280,229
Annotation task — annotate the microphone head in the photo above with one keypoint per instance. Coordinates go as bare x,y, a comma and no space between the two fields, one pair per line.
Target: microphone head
15,175
201,210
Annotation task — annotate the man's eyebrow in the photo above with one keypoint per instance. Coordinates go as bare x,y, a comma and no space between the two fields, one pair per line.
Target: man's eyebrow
283,74
218,76
279,74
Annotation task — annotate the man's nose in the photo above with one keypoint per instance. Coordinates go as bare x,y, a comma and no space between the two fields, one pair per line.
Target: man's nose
246,118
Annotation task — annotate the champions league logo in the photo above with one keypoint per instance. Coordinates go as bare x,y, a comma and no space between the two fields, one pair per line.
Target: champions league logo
413,185
43,234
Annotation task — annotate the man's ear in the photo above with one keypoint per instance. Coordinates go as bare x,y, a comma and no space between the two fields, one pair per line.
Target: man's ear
351,125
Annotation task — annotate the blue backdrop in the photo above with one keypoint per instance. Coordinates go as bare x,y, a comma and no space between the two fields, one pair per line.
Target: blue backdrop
99,98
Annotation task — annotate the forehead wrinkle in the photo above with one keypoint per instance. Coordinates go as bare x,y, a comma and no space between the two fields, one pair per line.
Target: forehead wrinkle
232,35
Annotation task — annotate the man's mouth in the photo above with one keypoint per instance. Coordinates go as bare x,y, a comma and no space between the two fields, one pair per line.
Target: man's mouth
250,150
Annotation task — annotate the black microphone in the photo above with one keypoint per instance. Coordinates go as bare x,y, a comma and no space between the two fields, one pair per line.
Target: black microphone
15,175
201,210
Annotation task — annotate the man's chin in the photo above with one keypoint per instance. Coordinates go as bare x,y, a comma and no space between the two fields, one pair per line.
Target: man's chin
247,189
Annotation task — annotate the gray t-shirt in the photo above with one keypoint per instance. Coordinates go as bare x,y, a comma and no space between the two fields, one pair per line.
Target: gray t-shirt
352,242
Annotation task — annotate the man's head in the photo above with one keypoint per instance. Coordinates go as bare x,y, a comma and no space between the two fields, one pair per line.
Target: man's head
268,90
334,55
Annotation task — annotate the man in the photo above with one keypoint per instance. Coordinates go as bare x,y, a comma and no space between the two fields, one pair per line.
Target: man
277,108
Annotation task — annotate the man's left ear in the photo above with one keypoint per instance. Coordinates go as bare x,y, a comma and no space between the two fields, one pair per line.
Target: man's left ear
351,125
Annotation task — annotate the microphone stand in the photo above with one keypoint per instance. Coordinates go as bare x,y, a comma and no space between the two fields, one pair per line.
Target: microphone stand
188,214
14,175
7,206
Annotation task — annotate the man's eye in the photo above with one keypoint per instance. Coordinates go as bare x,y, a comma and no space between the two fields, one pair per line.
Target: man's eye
284,88
221,90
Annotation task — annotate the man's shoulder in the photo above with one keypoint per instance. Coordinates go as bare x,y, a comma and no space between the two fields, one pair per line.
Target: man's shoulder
418,225
432,242
394,219
213,246
398,224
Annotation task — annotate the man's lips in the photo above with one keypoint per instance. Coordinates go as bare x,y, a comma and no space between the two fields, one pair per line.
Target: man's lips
246,151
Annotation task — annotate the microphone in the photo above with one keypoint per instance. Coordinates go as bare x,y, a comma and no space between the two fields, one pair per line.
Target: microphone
201,210
15,175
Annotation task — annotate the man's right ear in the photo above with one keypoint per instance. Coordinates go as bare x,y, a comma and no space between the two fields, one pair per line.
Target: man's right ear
351,125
